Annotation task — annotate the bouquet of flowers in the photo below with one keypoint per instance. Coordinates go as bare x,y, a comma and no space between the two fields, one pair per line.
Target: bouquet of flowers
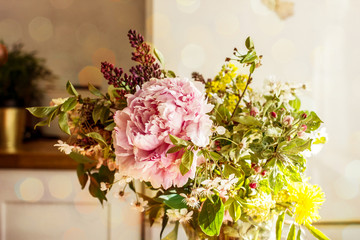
215,155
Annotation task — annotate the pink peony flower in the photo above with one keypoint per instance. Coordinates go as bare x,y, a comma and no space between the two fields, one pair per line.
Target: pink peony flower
141,137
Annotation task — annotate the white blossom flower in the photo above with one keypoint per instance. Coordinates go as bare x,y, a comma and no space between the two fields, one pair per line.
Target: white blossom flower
139,204
64,147
103,186
191,201
185,216
122,179
220,130
181,215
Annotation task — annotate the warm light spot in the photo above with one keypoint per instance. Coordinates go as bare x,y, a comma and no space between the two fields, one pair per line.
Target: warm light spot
193,56
102,55
90,74
61,4
346,189
270,25
10,30
87,34
30,189
188,6
40,29
74,233
352,171
227,24
284,50
259,7
60,186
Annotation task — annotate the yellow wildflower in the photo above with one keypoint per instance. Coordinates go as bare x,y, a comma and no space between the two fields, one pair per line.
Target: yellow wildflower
308,199
261,206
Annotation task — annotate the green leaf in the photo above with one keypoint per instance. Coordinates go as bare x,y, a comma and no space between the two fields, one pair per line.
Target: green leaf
63,123
279,225
239,173
298,235
247,120
215,156
97,137
174,201
312,122
171,74
154,213
104,114
159,56
291,235
249,43
164,223
295,104
70,89
250,57
82,175
235,210
94,90
316,232
41,112
252,67
79,158
178,141
173,234
110,127
211,216
69,104
175,149
296,146
94,188
96,114
186,162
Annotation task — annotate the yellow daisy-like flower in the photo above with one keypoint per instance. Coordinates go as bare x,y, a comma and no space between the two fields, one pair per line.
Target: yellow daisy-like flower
261,206
308,199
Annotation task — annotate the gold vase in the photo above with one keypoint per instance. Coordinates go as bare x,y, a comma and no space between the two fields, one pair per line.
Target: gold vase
12,127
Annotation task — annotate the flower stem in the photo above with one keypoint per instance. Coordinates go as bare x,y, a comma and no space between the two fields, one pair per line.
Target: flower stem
242,95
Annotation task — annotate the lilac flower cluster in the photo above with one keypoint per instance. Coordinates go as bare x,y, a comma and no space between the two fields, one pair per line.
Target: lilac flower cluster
143,72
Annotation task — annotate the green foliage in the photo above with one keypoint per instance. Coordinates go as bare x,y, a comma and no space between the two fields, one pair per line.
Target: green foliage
211,216
174,201
279,225
316,232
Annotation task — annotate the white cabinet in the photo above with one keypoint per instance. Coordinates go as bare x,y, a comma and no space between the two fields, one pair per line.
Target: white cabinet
49,205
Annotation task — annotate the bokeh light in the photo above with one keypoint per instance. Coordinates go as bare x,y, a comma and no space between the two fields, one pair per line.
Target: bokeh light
90,74
103,54
161,21
30,189
346,189
352,171
193,56
60,186
10,30
40,29
188,6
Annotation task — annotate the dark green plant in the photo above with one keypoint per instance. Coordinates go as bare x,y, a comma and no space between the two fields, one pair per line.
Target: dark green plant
21,78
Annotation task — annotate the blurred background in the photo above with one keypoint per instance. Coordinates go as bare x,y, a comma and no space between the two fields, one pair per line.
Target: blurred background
313,42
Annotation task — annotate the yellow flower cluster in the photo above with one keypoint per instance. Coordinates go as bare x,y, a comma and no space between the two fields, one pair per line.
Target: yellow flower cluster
260,207
308,199
227,85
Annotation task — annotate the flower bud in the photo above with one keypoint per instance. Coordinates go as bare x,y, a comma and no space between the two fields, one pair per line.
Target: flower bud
288,120
254,111
304,115
273,114
257,169
304,127
263,173
253,185
220,130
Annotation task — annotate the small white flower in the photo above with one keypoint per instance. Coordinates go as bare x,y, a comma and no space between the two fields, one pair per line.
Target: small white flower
191,201
173,214
64,147
103,186
140,204
185,216
122,179
220,130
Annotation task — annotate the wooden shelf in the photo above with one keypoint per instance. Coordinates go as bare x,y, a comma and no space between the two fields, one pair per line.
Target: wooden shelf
39,154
